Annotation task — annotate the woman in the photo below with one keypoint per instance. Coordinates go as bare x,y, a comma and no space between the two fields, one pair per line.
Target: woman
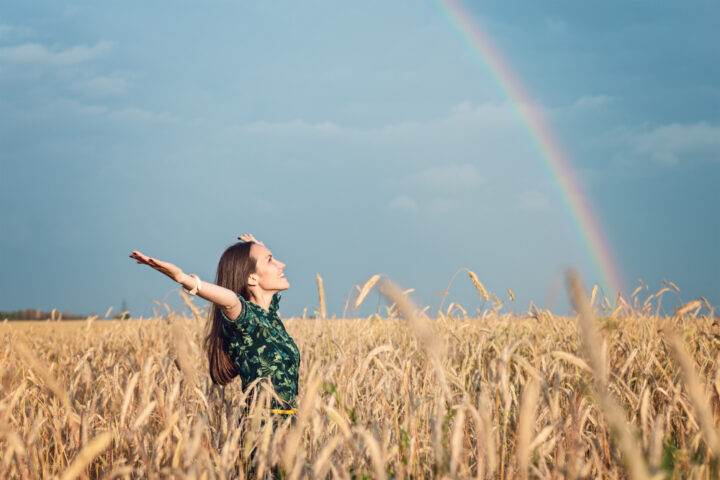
246,337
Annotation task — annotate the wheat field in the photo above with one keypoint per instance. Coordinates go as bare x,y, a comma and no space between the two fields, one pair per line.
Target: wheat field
616,391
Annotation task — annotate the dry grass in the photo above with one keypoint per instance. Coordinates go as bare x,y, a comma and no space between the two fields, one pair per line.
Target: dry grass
618,392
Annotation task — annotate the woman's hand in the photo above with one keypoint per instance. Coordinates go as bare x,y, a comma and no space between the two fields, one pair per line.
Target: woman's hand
224,298
248,237
167,268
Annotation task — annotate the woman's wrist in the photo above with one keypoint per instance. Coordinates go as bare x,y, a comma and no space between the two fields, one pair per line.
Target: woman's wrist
191,284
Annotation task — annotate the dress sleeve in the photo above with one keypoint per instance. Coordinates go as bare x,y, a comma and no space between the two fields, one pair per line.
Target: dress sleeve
237,321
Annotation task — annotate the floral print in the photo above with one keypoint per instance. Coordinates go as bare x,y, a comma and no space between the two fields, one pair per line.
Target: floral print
259,346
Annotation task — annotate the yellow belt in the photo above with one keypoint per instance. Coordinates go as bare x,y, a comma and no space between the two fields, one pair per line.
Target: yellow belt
292,411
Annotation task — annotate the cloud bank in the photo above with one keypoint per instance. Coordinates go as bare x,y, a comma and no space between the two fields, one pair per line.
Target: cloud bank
36,53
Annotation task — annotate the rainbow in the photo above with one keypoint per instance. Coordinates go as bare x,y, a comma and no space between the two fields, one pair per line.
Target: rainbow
555,161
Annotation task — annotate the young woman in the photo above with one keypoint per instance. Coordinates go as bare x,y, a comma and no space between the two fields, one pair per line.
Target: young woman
246,337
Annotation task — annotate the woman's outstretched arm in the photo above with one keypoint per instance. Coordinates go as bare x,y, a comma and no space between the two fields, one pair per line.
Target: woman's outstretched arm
224,298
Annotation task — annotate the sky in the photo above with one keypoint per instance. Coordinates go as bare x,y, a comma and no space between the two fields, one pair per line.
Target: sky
353,139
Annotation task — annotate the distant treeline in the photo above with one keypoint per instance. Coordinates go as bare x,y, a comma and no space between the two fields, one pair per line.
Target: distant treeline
34,314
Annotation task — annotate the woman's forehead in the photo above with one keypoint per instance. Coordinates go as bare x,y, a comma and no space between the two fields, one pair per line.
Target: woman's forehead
259,251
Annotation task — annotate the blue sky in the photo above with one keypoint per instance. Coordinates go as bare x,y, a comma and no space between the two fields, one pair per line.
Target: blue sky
353,139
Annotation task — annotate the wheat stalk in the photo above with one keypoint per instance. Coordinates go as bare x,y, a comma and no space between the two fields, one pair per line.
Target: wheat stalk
526,424
613,412
96,446
697,392
479,286
366,289
321,296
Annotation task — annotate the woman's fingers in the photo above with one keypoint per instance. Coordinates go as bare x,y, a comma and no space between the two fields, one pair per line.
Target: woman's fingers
143,259
156,264
165,268
249,237
137,255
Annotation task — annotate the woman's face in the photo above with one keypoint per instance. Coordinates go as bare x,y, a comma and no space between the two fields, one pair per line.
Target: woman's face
268,270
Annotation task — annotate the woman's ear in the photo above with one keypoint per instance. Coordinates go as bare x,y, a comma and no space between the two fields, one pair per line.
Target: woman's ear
252,280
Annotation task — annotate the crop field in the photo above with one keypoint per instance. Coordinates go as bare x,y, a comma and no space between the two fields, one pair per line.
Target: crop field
616,391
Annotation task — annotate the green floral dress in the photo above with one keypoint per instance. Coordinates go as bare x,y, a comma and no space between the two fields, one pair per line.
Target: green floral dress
259,346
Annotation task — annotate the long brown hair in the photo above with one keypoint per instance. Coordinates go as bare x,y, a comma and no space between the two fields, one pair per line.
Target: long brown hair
235,266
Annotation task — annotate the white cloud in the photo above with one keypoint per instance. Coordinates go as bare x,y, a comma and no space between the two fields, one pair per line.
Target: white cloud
670,144
444,178
555,26
442,189
40,54
532,201
131,115
295,126
91,109
488,120
103,85
5,29
72,11
14,31
139,115
442,206
402,203
591,101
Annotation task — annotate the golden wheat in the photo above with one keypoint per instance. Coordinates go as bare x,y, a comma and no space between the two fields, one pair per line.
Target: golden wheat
321,296
498,395
366,289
